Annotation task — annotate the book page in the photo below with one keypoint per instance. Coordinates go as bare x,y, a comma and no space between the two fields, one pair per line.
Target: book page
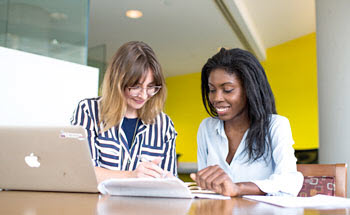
198,192
154,187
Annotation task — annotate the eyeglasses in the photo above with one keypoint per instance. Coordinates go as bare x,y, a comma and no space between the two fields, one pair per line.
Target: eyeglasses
151,91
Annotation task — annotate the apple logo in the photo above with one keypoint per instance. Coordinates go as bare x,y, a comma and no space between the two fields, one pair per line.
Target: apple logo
32,160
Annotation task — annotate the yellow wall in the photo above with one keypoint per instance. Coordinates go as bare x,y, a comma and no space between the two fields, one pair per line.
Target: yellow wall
291,70
184,106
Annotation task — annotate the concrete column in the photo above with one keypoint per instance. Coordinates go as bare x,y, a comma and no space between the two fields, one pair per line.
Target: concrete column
333,61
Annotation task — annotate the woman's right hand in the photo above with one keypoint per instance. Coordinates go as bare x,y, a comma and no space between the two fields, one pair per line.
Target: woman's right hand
216,179
149,169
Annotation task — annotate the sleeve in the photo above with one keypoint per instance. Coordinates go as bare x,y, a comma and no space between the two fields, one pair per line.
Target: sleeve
83,117
169,163
285,180
202,150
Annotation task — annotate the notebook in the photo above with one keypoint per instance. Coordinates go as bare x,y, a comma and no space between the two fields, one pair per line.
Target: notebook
46,159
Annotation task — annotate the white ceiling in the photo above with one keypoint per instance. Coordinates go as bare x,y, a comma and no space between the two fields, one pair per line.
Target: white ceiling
278,21
185,33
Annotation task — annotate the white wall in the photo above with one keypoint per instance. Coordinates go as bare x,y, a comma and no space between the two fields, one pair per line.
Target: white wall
41,91
333,60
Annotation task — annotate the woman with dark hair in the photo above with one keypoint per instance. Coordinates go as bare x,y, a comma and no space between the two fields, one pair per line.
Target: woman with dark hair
244,147
126,124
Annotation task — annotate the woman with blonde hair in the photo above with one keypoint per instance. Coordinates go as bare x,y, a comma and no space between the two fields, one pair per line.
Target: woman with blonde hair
128,134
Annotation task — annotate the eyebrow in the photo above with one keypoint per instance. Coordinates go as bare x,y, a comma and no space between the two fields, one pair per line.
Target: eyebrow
223,84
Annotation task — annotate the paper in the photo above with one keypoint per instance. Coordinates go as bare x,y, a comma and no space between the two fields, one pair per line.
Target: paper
318,201
153,187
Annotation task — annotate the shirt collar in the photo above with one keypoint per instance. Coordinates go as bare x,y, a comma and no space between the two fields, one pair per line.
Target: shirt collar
219,127
143,126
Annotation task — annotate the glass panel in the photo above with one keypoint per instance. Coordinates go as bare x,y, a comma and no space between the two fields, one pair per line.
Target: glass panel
56,29
3,21
97,59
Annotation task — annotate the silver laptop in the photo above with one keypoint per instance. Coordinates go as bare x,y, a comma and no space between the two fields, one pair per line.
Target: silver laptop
46,159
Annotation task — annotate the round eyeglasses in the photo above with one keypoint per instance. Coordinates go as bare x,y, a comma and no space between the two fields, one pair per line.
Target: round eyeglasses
136,91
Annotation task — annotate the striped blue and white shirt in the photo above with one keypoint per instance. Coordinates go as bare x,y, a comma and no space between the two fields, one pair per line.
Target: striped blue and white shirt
110,149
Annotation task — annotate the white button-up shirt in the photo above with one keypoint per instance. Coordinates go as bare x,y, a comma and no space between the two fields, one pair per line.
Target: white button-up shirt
277,176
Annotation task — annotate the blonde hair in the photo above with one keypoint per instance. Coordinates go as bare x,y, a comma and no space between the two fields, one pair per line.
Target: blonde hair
128,66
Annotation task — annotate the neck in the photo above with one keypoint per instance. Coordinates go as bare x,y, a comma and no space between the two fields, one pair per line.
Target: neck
131,113
239,123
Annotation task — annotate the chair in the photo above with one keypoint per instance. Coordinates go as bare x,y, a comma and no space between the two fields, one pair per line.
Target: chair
327,179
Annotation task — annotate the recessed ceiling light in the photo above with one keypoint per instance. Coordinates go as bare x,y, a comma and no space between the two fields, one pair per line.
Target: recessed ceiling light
134,14
54,42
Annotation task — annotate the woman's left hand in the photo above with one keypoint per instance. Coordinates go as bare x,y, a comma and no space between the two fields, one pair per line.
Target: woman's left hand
216,179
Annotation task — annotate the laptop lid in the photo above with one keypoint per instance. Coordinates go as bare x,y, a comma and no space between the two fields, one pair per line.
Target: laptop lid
46,159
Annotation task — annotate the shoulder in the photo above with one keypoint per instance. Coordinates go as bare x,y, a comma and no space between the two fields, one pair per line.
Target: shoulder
280,129
86,111
89,102
162,116
278,121
89,105
164,120
209,122
165,124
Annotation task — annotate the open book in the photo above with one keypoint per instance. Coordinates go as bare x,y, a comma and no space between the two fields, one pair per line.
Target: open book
155,187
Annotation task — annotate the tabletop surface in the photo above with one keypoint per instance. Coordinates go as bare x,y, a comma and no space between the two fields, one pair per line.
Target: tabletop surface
37,203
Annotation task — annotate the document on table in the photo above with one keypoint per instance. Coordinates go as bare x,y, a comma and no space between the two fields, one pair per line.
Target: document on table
154,187
318,201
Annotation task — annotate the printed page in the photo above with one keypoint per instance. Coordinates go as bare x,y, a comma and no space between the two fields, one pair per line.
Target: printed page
318,201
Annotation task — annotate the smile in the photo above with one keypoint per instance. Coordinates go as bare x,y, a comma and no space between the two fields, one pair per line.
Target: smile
139,101
221,109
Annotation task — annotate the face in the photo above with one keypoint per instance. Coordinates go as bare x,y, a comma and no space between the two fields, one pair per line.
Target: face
137,101
227,95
